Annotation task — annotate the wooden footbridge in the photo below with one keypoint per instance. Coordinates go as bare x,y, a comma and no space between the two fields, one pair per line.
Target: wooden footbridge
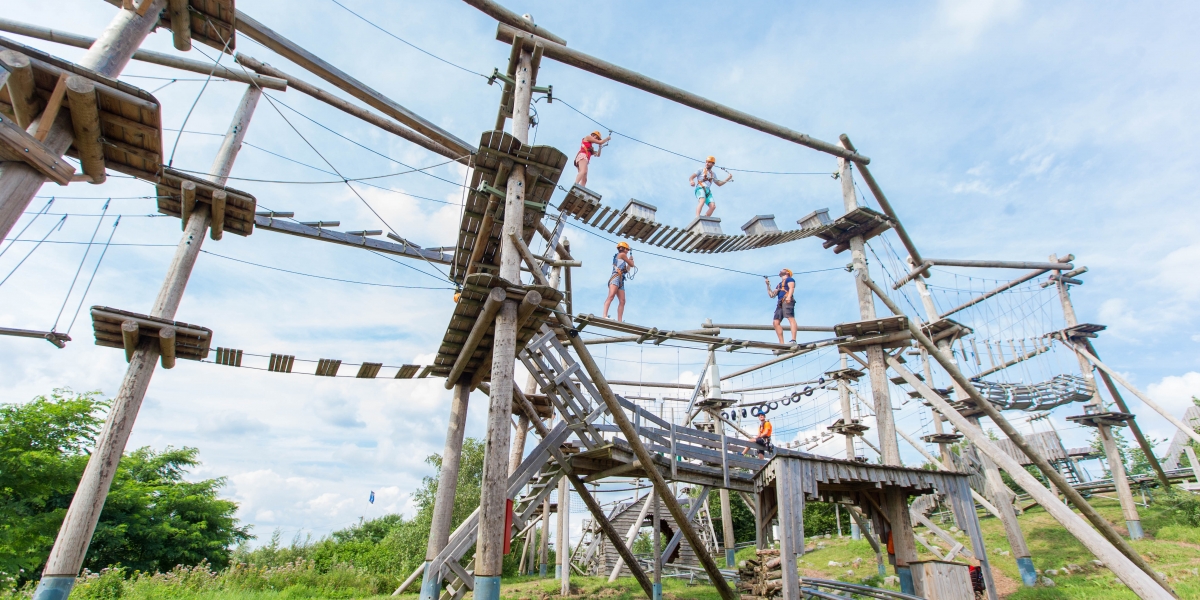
514,306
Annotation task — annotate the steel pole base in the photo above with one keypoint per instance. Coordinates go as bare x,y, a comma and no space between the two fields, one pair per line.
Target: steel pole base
1029,575
487,588
657,591
906,580
430,586
558,572
542,570
730,558
54,587
855,534
1135,530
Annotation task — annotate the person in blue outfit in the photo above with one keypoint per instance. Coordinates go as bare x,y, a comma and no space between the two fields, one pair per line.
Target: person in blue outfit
702,181
785,304
622,263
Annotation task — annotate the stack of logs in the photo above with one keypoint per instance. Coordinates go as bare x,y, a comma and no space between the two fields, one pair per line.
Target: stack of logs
761,578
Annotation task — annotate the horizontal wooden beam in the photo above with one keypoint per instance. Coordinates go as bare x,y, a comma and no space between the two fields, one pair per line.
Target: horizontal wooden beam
293,52
748,327
556,51
512,19
147,56
31,150
986,295
1001,264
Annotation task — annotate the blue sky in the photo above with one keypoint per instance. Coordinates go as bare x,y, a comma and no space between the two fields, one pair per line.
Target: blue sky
999,130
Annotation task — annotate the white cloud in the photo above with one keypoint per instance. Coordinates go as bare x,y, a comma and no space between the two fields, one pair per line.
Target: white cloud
1174,393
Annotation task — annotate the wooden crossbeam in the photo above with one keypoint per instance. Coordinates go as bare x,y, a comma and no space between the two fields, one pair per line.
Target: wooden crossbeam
20,144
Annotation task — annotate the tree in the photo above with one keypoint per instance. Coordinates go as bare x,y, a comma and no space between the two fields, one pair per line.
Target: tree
152,519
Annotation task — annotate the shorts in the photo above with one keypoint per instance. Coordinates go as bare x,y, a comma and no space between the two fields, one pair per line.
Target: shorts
704,193
582,156
618,280
785,311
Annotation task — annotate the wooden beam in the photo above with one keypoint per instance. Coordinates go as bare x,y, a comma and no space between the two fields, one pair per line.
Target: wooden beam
591,64
217,229
1122,559
293,52
181,24
512,19
85,120
483,322
366,116
1136,392
884,204
166,347
147,56
34,152
1001,264
22,91
53,105
530,303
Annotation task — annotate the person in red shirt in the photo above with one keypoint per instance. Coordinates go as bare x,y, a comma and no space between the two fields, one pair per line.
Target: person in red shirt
589,147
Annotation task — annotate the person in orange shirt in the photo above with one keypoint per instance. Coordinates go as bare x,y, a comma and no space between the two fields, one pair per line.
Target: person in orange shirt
764,435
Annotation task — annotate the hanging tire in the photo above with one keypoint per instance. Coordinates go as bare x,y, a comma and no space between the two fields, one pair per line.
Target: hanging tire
774,406
755,411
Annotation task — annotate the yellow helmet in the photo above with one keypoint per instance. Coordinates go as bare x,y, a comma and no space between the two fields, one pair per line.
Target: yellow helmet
788,271
596,133
712,159
457,295
624,245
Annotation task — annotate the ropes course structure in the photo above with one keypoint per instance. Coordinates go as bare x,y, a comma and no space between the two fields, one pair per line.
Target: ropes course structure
1012,345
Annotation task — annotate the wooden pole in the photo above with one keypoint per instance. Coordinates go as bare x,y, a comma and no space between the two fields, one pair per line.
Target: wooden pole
885,425
1143,443
562,561
22,91
1191,454
1116,467
489,556
295,53
631,535
443,505
656,551
70,548
1117,554
545,548
591,64
1002,264
660,484
884,204
19,182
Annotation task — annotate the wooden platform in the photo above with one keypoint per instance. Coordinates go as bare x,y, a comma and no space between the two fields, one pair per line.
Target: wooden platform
498,153
889,332
191,341
942,438
853,428
1108,419
239,206
847,374
130,118
475,291
1082,331
860,221
585,205
214,23
945,329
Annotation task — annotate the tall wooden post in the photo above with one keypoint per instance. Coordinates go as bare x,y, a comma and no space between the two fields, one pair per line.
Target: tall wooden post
1116,467
489,553
562,549
544,550
726,510
70,548
19,182
1001,496
656,554
847,418
889,447
443,506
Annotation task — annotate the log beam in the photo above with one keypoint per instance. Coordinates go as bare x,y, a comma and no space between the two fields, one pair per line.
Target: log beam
483,322
22,92
181,24
166,347
556,51
85,120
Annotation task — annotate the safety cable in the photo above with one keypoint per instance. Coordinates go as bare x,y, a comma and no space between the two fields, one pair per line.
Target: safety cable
406,42
35,217
103,251
75,279
343,179
216,63
387,285
57,227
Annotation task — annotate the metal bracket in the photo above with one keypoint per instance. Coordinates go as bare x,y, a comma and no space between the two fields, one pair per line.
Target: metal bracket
484,188
548,90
